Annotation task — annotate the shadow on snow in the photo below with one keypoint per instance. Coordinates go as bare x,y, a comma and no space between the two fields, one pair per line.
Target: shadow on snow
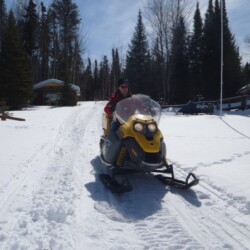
144,200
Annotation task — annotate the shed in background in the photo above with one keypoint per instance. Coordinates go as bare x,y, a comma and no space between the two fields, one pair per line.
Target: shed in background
49,92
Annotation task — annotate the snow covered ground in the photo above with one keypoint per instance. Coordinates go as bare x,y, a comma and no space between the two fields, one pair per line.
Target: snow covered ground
51,198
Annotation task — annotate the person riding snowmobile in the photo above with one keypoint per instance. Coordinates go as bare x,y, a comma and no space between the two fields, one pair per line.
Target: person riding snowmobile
137,146
121,93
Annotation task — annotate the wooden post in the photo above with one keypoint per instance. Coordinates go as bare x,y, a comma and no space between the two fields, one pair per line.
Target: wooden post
4,117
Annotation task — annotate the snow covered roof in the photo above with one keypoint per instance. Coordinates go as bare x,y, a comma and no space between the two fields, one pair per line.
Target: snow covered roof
245,90
55,82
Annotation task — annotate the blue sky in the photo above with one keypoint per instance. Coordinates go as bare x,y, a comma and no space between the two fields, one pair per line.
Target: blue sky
111,23
108,24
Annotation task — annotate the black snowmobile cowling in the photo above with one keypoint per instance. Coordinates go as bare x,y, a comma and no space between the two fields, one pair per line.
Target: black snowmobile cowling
137,146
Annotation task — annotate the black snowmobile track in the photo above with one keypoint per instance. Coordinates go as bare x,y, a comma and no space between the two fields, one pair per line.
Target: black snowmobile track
114,185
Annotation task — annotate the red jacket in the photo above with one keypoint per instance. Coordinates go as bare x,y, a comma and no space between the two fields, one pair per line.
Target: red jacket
114,99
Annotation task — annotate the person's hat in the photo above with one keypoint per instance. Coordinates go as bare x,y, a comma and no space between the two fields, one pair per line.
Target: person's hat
123,81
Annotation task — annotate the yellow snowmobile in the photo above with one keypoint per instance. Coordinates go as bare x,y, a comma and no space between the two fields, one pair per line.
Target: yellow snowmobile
137,146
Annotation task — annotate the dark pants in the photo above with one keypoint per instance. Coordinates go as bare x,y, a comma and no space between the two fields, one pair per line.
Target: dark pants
114,126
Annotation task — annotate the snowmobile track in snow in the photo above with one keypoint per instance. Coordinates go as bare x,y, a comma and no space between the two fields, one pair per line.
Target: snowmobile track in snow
49,207
22,178
199,211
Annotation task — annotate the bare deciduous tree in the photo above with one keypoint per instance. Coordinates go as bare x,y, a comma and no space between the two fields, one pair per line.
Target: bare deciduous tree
162,16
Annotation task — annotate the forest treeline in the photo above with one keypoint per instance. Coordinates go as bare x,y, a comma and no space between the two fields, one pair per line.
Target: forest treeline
174,64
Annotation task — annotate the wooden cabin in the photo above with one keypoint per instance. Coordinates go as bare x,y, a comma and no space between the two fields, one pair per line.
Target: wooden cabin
49,92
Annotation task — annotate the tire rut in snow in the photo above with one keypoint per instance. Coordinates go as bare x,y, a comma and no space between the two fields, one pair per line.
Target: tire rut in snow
163,231
160,229
59,194
25,175
45,218
206,215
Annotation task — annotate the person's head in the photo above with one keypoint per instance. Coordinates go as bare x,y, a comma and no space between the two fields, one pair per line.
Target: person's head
123,85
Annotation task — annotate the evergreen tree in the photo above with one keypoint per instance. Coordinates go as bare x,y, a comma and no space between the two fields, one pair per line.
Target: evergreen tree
44,44
54,49
30,28
16,87
67,95
105,78
66,16
195,60
137,60
97,84
157,68
115,69
232,78
179,64
77,63
211,55
88,82
3,19
246,74
217,49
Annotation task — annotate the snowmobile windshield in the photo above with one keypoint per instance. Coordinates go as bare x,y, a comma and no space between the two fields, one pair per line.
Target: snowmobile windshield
138,105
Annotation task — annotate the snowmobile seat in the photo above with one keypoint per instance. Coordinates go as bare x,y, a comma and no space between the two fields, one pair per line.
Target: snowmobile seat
106,123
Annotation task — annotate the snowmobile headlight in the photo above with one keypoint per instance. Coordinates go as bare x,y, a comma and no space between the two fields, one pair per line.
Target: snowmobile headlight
152,128
138,127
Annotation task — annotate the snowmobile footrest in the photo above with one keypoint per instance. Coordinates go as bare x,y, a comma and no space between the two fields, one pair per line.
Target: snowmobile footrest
115,186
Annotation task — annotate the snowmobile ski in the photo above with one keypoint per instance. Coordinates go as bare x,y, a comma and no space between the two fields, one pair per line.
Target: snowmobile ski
112,184
170,181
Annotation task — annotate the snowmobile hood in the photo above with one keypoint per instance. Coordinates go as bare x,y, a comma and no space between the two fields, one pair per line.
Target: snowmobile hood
144,130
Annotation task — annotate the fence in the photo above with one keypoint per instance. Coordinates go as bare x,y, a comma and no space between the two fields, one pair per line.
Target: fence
233,103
